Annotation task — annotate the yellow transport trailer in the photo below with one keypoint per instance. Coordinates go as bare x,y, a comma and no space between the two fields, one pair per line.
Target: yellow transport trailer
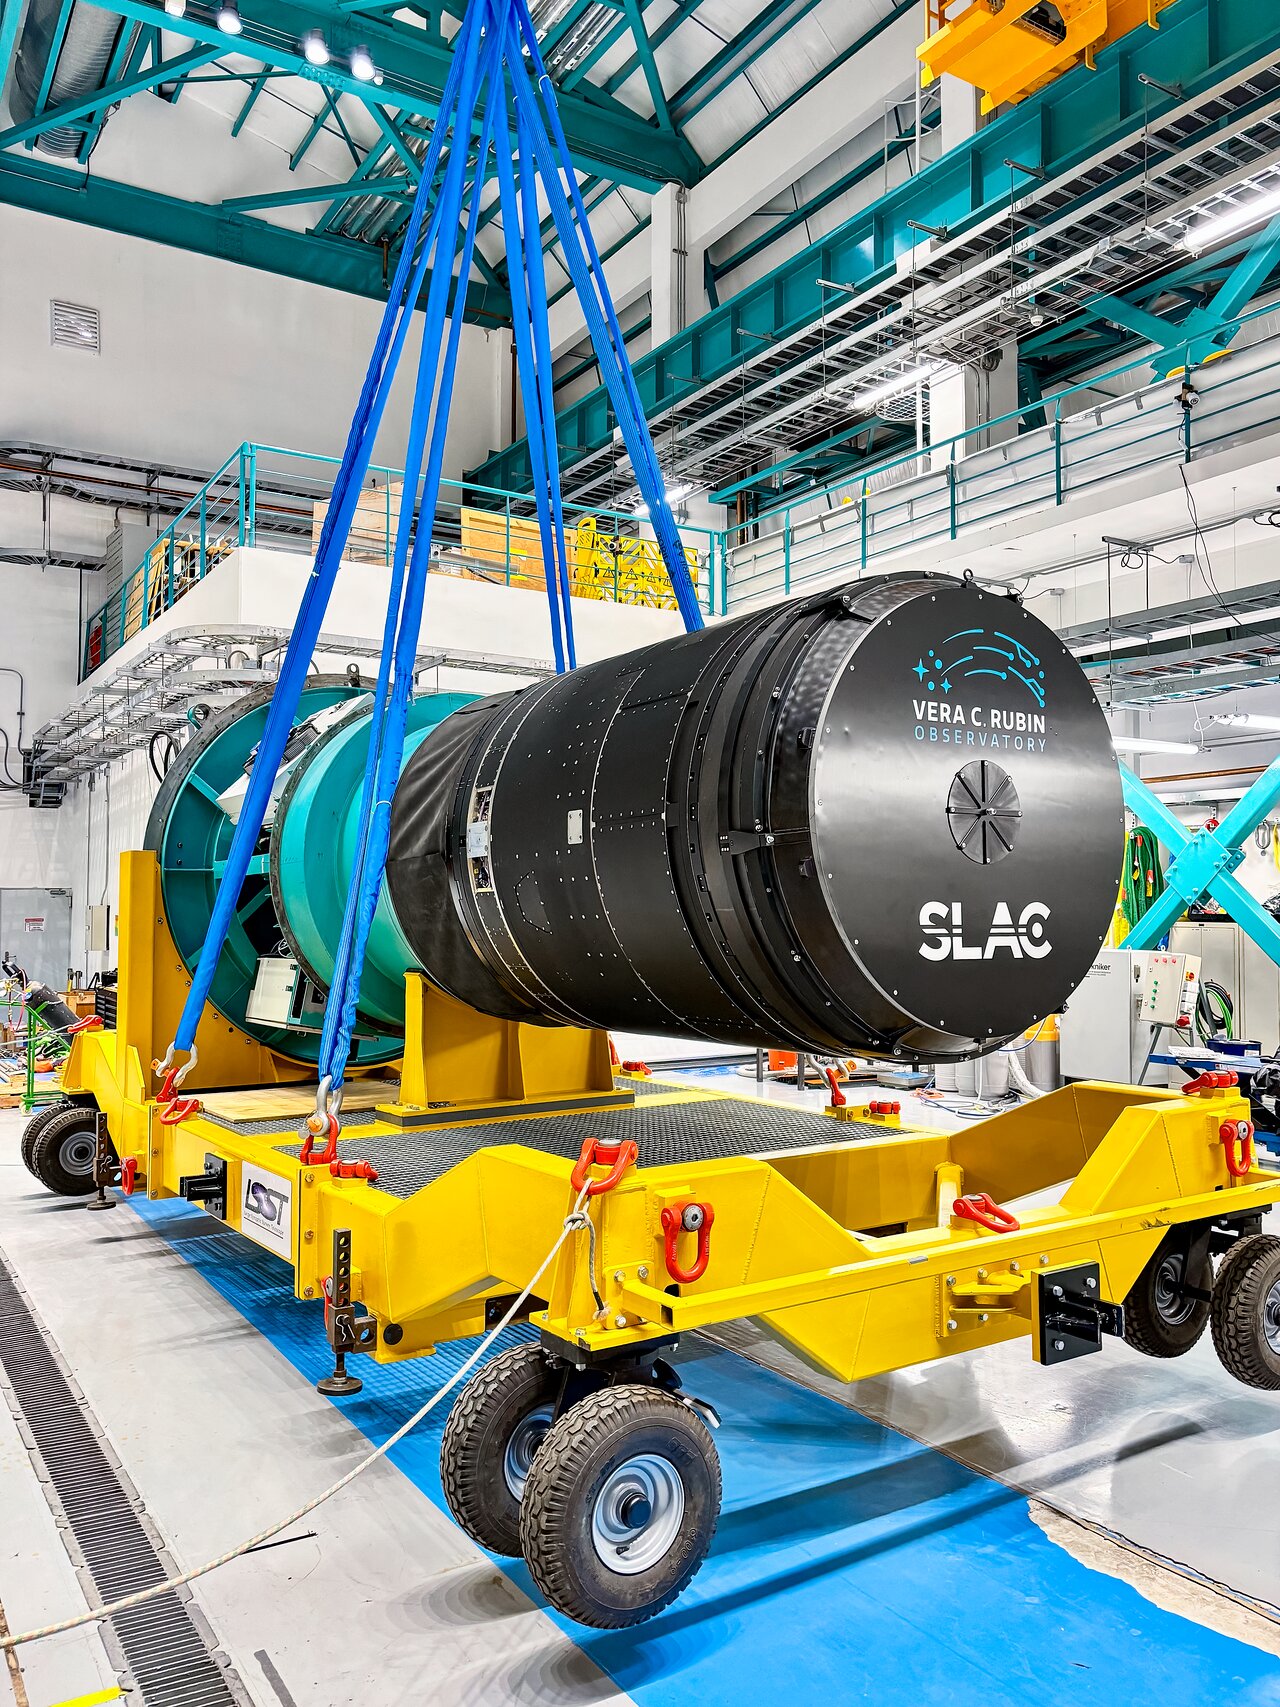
866,1247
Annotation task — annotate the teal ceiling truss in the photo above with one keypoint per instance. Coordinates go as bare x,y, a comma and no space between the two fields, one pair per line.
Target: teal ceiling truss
346,231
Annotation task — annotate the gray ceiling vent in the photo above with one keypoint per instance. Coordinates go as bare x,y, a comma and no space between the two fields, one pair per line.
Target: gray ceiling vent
74,326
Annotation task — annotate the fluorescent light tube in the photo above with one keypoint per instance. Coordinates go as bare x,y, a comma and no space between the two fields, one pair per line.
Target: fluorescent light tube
1149,744
1237,218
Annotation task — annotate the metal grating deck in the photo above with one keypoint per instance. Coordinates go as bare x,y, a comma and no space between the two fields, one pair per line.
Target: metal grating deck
710,1128
169,1660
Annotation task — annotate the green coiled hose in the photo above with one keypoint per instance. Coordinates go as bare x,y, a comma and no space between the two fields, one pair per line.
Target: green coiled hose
1142,879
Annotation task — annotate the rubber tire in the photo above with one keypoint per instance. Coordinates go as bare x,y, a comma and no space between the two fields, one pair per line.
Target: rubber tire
1146,1328
39,1120
484,1416
1250,1269
582,1449
46,1161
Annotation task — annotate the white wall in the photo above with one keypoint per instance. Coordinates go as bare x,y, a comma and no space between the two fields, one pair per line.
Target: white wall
200,354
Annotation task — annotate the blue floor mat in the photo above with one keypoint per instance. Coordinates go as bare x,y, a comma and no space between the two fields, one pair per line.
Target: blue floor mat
850,1564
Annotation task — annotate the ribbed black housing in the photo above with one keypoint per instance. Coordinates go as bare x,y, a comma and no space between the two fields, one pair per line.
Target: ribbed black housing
732,834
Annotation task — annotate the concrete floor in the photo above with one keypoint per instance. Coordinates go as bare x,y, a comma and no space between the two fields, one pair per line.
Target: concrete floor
1163,1477
218,1434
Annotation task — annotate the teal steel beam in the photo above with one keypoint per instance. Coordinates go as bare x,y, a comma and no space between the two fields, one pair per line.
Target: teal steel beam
612,141
207,230
737,55
644,47
1207,328
10,14
117,66
312,132
374,162
255,89
788,222
392,133
683,10
56,39
394,188
1133,319
1204,861
607,42
69,111
1062,125
341,123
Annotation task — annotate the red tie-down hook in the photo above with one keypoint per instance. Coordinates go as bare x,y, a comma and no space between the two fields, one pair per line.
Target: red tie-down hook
1237,1141
354,1170
178,1109
128,1174
91,1022
316,1124
680,1218
617,1156
838,1098
1207,1083
981,1208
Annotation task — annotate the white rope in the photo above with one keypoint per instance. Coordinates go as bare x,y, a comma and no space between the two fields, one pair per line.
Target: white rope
97,1614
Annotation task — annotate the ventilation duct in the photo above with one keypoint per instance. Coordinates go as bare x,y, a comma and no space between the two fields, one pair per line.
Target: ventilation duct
82,60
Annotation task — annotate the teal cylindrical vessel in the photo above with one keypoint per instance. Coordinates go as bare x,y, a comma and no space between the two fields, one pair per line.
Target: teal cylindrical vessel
313,857
292,901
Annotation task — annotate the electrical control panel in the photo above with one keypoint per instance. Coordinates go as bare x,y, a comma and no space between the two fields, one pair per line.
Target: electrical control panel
1169,985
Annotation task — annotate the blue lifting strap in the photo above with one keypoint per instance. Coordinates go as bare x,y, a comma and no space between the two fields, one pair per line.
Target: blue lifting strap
400,643
356,456
488,55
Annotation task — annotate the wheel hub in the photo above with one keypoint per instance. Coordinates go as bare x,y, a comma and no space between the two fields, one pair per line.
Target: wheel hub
637,1514
1172,1303
77,1151
523,1447
1271,1317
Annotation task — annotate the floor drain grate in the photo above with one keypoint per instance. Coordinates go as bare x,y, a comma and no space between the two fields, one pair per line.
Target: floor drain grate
161,1644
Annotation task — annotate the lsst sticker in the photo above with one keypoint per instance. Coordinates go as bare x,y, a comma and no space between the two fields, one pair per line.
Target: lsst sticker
266,1210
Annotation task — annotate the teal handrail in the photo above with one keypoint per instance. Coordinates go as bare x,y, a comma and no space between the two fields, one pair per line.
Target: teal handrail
225,512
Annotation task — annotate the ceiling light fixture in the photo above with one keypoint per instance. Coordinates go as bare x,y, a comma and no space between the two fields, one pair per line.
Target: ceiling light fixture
314,49
176,8
894,386
1237,218
1247,720
229,21
1149,744
362,66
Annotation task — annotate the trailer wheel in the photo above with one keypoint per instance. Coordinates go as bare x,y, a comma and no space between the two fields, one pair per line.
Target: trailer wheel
495,1430
36,1125
621,1506
1246,1311
63,1150
1160,1320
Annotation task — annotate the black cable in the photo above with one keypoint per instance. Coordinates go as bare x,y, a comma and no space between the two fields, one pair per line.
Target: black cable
1206,563
8,783
1211,1024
